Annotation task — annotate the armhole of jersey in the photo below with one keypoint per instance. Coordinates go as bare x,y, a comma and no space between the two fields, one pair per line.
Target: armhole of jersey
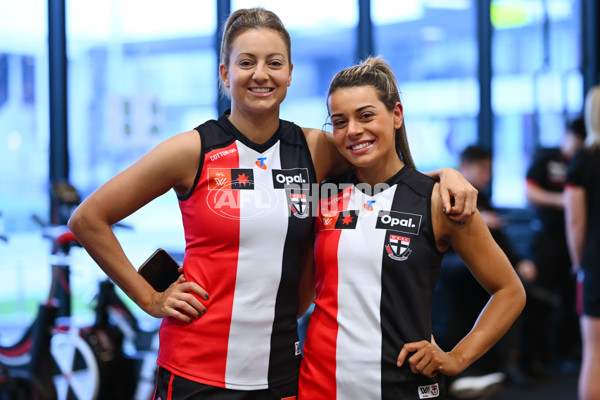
198,173
430,221
313,177
313,173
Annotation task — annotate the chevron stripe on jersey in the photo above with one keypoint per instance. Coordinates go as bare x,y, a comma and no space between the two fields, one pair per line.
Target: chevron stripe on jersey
374,283
243,245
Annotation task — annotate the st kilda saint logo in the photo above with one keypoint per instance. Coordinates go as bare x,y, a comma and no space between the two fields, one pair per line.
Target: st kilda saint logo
298,203
397,247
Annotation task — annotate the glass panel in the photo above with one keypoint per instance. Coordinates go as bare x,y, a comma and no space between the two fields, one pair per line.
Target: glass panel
136,79
536,87
432,47
24,140
23,114
323,43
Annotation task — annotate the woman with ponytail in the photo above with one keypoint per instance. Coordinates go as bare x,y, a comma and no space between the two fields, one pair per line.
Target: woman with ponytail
381,235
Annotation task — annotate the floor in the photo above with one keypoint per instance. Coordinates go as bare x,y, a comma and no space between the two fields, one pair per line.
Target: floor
558,386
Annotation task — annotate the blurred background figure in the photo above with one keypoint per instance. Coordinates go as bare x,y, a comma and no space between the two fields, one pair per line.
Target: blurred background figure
458,297
582,216
551,334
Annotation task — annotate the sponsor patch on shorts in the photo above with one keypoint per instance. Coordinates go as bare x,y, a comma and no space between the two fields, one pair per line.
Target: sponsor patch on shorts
429,391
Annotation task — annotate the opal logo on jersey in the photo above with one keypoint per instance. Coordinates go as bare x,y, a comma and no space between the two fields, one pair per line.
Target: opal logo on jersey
429,391
399,222
397,247
260,162
286,177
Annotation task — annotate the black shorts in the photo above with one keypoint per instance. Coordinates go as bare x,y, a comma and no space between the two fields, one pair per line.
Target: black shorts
591,292
172,387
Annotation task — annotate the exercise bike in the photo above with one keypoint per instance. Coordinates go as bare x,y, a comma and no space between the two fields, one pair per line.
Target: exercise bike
52,360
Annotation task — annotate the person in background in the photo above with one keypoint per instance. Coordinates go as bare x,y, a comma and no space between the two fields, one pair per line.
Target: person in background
247,237
551,334
381,234
582,220
459,298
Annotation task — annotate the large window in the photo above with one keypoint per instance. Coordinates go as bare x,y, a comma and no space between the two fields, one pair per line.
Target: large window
135,79
537,85
23,113
432,47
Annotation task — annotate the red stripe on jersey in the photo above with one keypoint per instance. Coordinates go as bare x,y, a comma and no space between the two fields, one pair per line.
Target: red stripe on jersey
205,352
317,378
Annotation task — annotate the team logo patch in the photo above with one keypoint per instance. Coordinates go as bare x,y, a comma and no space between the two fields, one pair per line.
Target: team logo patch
429,391
339,220
399,222
397,247
299,205
293,176
230,178
260,162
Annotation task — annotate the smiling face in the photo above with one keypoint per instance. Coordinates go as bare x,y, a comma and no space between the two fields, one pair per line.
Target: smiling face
364,131
259,72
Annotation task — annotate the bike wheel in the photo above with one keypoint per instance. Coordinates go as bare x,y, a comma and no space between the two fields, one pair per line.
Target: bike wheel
76,374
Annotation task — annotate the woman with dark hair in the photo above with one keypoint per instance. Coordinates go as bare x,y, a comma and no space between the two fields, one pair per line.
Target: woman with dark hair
381,234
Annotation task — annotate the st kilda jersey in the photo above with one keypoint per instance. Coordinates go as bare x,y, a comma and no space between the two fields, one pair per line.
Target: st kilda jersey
376,269
244,230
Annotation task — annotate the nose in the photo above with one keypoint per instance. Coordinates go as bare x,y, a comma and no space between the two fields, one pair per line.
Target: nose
355,129
260,72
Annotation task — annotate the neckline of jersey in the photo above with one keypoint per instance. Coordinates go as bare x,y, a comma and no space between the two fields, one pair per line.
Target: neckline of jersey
391,181
226,124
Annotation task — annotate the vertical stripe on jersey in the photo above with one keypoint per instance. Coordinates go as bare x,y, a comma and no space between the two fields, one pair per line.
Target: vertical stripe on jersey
358,306
285,352
318,377
258,272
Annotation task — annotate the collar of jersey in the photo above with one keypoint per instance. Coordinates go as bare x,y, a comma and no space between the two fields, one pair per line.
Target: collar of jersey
228,127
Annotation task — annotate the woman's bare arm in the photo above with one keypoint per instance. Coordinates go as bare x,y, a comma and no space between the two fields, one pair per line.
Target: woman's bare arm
171,164
575,222
473,242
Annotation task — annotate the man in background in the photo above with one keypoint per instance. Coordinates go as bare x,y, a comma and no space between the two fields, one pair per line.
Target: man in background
551,330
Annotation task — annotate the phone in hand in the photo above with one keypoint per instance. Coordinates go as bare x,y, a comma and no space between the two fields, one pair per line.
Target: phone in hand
160,270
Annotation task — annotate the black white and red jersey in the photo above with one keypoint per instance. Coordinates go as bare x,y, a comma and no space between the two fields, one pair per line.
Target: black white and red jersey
376,269
244,233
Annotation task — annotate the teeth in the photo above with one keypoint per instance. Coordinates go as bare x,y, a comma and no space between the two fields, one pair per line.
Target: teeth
361,146
261,90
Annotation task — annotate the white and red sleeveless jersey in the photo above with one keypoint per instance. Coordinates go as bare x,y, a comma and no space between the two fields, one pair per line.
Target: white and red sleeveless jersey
376,269
244,232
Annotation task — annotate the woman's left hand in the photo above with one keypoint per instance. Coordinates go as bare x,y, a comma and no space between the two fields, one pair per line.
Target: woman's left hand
428,359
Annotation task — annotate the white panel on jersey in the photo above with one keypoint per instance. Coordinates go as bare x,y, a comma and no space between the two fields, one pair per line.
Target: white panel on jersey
263,229
358,370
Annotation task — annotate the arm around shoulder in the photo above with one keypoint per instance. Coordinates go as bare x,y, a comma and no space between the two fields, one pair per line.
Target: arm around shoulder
326,158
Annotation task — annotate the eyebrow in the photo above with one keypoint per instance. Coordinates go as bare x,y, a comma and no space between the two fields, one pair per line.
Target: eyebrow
254,55
357,110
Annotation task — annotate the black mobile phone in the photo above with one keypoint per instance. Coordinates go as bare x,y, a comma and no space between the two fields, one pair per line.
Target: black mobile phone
160,270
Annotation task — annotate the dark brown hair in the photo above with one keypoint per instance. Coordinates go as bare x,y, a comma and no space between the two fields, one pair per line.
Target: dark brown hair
376,73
